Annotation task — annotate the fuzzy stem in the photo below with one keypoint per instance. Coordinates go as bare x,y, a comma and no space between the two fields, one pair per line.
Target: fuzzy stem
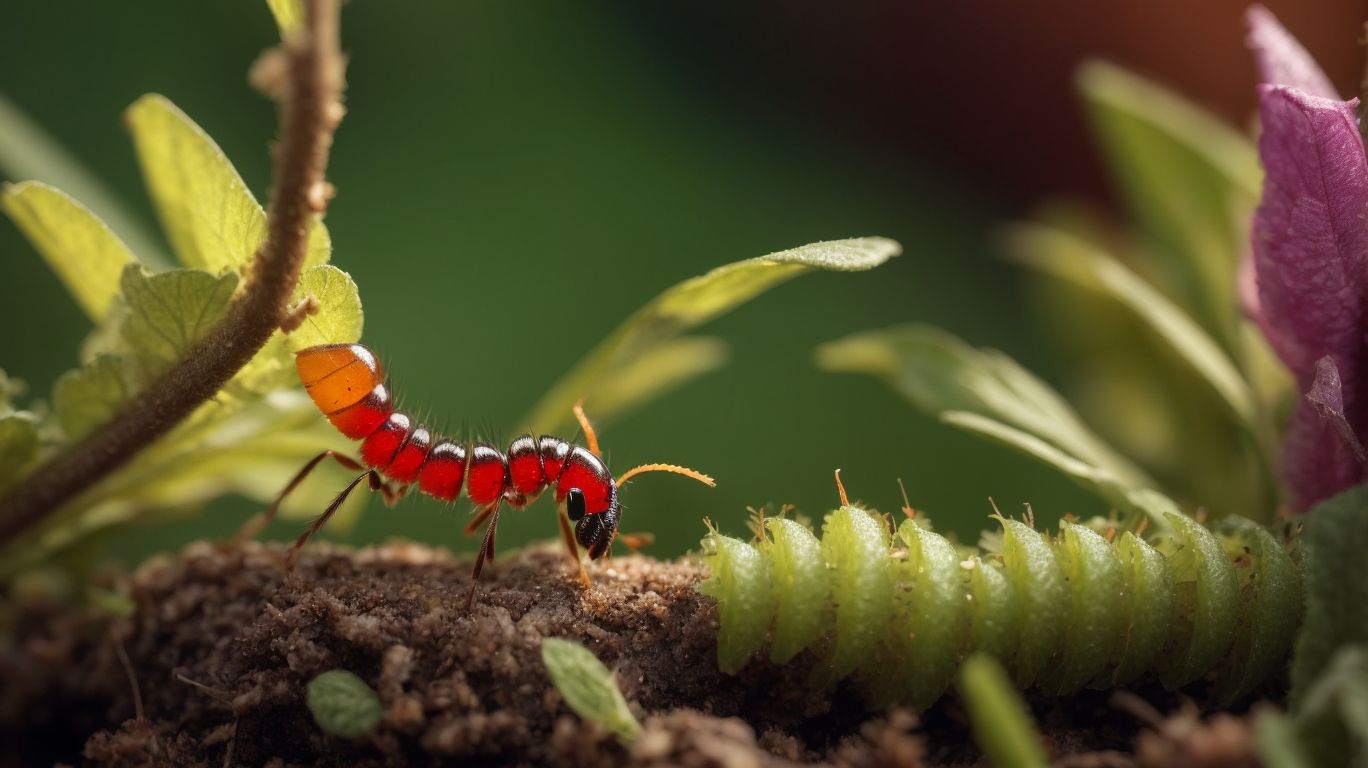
309,113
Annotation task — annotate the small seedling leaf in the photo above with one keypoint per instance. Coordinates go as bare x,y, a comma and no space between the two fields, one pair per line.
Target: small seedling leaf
689,304
588,686
85,254
343,705
1002,724
212,220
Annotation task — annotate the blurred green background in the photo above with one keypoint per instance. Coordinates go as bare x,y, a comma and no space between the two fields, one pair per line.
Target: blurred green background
516,178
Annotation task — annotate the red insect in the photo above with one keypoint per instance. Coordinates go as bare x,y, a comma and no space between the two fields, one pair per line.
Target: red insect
347,384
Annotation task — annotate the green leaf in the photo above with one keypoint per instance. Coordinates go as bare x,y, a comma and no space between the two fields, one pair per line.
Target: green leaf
1070,258
339,317
1335,581
1329,726
686,305
170,311
657,371
1002,723
88,397
210,217
289,14
588,687
1190,181
343,705
84,253
28,152
986,392
18,446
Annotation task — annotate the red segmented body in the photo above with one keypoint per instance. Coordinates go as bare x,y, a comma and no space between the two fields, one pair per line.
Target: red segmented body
347,384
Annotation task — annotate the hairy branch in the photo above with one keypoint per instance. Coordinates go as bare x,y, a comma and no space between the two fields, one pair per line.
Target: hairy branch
309,113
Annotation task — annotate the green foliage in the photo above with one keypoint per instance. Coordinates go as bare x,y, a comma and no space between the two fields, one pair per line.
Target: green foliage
588,687
84,253
1001,721
1190,182
986,392
613,375
1329,726
343,705
1060,613
1336,578
147,321
211,219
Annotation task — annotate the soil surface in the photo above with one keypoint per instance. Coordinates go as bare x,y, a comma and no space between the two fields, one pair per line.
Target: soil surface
220,646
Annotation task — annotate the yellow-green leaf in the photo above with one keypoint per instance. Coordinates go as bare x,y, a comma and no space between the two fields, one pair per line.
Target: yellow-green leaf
88,397
1190,181
168,312
664,367
29,152
1002,723
211,218
339,317
1069,258
588,686
289,14
691,303
86,255
986,392
18,445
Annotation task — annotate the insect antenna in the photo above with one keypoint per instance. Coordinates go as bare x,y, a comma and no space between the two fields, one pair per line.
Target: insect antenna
840,490
672,468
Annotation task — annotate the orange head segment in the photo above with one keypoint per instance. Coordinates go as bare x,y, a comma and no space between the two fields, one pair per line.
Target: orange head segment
338,376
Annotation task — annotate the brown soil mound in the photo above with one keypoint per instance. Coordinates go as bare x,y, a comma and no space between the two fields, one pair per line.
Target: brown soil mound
222,645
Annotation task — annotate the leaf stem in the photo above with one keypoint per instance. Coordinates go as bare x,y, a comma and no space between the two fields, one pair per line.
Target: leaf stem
309,113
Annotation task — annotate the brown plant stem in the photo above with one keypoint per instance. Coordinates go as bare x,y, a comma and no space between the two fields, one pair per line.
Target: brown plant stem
309,113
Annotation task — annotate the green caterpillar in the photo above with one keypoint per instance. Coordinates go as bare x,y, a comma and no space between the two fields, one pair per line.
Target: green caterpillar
897,612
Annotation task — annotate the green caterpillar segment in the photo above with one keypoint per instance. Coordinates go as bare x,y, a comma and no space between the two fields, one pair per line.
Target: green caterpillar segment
901,613
1096,606
1270,607
930,622
1206,602
798,582
1148,585
739,582
855,547
1042,597
992,610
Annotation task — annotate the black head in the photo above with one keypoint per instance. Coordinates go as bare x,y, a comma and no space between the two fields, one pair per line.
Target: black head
594,532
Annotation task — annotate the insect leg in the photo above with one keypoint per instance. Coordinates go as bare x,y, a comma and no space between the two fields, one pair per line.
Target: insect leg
254,526
376,484
479,518
486,550
568,535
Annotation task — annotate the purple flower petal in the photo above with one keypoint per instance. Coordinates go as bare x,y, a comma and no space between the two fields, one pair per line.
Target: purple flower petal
1281,59
1310,244
1324,455
1310,236
1327,397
